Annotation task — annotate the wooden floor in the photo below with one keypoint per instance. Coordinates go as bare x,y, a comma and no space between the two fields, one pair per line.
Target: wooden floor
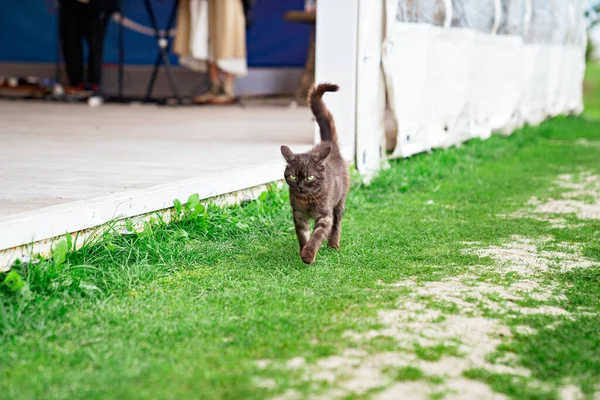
53,155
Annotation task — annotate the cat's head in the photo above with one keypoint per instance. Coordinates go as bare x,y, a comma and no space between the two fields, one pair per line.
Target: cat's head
305,172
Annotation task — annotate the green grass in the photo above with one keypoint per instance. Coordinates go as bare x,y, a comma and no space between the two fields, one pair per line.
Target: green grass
408,374
572,349
184,310
513,387
591,87
435,353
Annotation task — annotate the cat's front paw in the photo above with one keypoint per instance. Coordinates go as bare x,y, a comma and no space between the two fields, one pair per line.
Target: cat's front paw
308,255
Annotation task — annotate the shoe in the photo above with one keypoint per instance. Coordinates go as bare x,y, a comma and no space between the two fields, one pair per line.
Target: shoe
93,88
227,95
76,91
206,98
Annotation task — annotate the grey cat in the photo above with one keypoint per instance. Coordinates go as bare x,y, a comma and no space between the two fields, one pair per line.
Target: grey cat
318,181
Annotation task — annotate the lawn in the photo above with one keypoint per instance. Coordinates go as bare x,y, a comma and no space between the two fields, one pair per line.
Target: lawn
465,272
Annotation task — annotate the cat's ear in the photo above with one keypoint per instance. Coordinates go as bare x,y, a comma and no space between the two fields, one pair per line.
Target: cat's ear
323,154
287,154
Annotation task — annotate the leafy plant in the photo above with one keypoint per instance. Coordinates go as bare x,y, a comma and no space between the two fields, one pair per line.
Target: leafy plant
14,282
190,210
60,253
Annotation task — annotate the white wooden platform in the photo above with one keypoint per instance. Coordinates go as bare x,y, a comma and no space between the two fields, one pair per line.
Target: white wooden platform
68,167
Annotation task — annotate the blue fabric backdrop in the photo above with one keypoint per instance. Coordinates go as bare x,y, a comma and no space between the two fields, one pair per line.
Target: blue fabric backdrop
28,33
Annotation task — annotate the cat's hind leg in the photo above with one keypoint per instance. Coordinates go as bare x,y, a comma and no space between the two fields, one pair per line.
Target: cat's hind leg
336,228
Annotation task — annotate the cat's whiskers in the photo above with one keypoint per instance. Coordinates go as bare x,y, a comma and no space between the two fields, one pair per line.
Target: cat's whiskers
316,199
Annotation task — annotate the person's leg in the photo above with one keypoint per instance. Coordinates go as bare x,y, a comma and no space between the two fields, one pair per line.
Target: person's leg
215,85
228,41
70,40
214,73
227,95
229,84
95,35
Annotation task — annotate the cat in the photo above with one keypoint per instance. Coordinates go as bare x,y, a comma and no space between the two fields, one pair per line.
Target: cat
318,182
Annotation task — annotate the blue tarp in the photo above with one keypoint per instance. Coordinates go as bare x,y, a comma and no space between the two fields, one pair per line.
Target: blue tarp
28,33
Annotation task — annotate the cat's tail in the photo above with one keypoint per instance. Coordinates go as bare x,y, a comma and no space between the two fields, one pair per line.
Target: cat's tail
320,111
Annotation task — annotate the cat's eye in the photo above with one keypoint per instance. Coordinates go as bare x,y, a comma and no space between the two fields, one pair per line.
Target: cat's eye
293,177
310,178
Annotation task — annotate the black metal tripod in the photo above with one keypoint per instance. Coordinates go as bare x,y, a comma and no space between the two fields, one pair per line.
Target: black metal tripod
164,42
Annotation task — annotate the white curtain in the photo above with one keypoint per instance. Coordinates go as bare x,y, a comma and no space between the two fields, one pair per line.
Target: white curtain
462,69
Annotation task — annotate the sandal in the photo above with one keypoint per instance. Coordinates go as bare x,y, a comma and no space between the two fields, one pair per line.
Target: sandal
226,96
206,98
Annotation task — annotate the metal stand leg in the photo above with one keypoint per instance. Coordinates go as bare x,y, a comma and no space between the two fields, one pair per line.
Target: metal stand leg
153,76
164,45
